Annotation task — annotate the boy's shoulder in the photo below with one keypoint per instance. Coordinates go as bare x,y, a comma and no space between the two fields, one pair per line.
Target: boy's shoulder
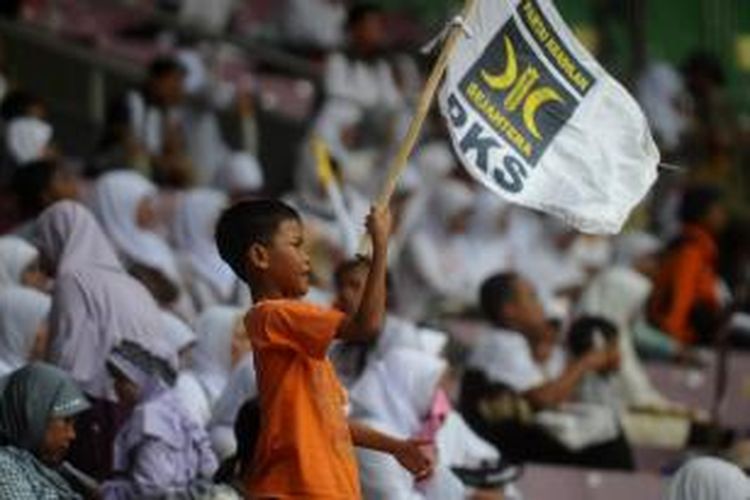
276,306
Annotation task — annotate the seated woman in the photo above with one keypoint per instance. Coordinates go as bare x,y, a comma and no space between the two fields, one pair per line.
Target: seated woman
37,411
159,451
125,203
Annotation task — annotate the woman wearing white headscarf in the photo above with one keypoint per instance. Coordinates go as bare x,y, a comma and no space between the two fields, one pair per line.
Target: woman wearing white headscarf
19,264
209,280
160,451
95,305
708,479
221,344
400,394
121,200
23,326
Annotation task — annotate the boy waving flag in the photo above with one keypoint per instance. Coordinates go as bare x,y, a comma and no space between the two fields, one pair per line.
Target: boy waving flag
538,121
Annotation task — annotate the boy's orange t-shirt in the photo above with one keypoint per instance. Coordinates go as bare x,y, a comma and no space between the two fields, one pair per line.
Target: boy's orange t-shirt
304,449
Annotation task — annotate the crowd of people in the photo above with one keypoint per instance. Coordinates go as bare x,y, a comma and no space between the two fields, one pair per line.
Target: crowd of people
170,328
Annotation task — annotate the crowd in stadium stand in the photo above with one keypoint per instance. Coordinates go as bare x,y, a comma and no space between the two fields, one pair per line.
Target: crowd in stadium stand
513,351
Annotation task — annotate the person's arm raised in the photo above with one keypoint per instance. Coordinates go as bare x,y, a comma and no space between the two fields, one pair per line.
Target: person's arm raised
558,391
367,321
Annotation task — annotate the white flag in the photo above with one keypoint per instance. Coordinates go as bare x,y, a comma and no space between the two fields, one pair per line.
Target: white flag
535,118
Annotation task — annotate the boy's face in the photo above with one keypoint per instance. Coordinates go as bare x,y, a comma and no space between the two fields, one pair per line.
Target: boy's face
349,293
284,262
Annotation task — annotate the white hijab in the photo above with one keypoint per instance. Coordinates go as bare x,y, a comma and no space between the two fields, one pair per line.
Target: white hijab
16,254
397,390
619,295
212,354
194,226
96,304
177,334
22,312
115,200
708,479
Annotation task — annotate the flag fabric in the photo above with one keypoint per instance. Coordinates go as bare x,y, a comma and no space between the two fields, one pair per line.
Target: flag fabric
537,120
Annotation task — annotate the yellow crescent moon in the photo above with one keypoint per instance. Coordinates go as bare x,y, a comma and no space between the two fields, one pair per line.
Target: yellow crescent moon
531,106
507,77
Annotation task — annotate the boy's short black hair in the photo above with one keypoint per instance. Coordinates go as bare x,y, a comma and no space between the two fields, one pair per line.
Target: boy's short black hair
496,291
30,182
697,202
583,332
163,66
246,223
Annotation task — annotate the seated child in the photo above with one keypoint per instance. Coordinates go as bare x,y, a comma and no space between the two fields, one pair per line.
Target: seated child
351,358
305,446
160,451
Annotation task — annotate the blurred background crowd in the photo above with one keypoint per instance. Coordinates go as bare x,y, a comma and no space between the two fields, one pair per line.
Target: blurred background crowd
590,366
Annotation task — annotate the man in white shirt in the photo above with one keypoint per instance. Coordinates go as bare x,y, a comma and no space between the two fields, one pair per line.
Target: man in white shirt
506,354
515,367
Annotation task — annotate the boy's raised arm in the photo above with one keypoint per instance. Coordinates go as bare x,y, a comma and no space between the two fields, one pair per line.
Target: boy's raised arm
367,321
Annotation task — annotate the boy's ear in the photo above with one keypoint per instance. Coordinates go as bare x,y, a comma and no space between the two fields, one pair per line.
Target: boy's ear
258,256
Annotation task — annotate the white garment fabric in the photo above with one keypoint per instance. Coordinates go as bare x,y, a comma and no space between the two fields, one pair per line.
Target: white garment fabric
619,294
241,387
367,84
95,303
461,447
319,23
146,122
16,255
201,385
193,232
177,334
207,94
505,357
393,396
22,312
569,140
661,91
536,256
241,173
27,139
211,17
708,479
590,253
115,200
451,264
629,247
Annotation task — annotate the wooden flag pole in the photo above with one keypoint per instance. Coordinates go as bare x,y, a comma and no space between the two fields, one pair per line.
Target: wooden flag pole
398,165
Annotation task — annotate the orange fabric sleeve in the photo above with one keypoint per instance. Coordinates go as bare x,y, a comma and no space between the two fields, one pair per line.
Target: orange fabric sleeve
303,327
